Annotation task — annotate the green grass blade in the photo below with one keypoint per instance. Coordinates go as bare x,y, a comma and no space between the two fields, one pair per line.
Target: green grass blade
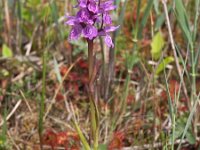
196,19
183,21
137,20
161,19
145,17
82,137
57,71
171,111
168,95
121,17
197,57
189,121
41,103
55,16
183,62
3,137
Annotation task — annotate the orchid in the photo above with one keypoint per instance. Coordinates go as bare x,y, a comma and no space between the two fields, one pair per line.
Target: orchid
92,20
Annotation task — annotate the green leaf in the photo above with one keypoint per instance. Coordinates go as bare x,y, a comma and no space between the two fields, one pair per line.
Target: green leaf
183,20
102,147
82,137
190,137
163,64
26,14
160,20
6,52
157,45
189,120
156,6
32,3
3,137
145,17
4,72
180,124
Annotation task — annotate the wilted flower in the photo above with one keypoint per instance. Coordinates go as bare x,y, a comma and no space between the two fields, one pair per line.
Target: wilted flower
91,14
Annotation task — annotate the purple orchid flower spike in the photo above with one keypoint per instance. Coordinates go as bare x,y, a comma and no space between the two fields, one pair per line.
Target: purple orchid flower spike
92,20
91,13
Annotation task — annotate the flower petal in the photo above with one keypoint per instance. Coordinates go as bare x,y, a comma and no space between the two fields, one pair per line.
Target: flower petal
90,32
107,19
75,32
93,7
83,15
82,3
111,28
71,20
108,41
107,6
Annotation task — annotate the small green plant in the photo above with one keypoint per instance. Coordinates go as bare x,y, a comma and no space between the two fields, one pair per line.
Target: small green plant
3,133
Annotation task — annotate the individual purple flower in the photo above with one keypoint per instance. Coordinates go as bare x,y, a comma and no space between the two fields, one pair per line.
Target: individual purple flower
82,3
91,14
107,19
75,32
105,31
90,32
93,7
83,15
111,28
107,6
108,41
71,20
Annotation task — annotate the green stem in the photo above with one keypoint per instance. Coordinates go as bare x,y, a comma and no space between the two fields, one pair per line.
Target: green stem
193,74
41,103
193,93
82,138
93,107
90,58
